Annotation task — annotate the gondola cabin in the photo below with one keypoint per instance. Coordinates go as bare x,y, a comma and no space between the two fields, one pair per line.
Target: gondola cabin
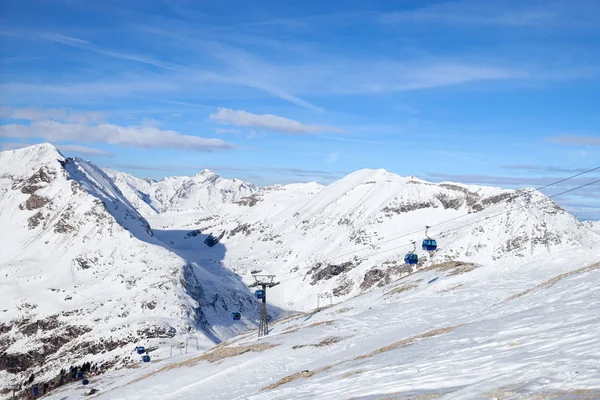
260,294
429,244
36,391
236,316
411,259
140,350
79,375
85,382
146,358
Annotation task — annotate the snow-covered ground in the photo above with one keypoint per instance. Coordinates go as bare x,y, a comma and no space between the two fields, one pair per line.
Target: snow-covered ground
516,331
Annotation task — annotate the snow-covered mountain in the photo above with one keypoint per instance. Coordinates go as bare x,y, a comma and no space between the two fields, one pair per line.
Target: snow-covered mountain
205,191
85,279
98,261
351,235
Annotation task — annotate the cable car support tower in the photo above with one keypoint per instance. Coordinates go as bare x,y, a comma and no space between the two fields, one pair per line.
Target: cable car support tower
264,282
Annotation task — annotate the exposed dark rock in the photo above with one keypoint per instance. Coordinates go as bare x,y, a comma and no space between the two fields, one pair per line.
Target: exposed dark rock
371,277
320,273
63,226
37,180
5,328
344,288
496,199
245,228
151,305
34,202
448,202
154,331
249,201
34,221
406,207
211,240
85,263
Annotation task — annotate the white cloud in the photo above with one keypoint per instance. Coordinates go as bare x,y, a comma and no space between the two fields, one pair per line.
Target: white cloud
75,148
59,114
333,157
268,121
577,140
134,136
223,131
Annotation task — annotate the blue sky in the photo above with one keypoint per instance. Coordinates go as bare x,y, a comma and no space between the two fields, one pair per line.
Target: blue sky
486,92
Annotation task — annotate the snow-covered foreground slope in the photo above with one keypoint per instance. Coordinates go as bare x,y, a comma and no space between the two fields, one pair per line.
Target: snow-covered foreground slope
519,330
351,236
85,279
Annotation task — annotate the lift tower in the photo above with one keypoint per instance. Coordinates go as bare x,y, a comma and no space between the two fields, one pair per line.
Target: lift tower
264,282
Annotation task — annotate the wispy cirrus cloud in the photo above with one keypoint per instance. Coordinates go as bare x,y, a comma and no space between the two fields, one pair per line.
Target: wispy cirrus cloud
543,168
85,45
576,140
223,131
508,13
268,122
133,136
59,114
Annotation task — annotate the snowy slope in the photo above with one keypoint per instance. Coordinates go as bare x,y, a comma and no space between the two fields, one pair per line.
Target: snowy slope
85,278
593,225
351,236
524,330
205,191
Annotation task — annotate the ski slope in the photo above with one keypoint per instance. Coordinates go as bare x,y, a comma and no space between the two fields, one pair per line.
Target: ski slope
515,331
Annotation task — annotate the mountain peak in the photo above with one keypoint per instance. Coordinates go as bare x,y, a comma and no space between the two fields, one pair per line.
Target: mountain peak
20,162
207,173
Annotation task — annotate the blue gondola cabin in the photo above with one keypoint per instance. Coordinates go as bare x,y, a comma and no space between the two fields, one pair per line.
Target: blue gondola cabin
260,294
140,350
236,316
85,382
411,259
429,244
79,375
146,358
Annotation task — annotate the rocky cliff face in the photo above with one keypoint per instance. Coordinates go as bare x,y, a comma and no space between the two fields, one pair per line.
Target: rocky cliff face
85,279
